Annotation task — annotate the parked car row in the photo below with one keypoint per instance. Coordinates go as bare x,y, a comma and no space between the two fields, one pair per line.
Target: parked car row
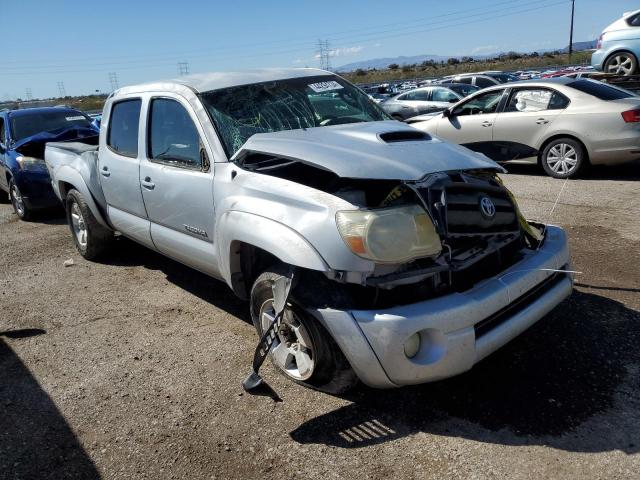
367,249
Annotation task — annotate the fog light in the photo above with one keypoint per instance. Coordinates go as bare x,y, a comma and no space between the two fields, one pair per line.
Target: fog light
412,345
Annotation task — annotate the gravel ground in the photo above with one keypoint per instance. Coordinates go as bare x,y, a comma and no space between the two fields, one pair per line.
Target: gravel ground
131,368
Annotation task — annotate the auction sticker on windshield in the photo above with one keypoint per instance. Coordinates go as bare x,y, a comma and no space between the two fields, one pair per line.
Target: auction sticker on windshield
71,119
325,86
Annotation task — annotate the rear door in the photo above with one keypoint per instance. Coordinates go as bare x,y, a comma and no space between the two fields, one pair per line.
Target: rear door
119,167
528,114
177,183
471,122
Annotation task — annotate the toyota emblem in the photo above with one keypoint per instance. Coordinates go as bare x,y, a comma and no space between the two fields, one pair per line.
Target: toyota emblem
487,208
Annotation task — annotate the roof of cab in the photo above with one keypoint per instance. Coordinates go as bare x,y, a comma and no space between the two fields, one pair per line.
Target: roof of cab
204,82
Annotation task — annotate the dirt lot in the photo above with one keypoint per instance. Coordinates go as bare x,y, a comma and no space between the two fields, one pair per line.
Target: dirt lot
131,368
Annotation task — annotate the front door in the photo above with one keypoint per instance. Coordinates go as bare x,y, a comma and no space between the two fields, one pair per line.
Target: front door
119,167
177,184
471,123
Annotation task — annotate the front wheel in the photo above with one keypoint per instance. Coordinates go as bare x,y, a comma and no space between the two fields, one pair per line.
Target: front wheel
303,351
91,239
563,158
621,63
17,201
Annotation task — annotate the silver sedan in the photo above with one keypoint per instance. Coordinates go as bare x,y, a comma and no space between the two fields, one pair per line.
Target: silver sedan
565,124
426,99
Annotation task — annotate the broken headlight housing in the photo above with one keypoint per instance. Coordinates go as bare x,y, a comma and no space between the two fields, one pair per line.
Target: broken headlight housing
389,235
31,164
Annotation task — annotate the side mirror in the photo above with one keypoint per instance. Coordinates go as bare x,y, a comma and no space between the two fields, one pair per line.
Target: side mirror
446,113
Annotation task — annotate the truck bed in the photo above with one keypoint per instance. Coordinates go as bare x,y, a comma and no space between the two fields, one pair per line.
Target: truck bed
79,157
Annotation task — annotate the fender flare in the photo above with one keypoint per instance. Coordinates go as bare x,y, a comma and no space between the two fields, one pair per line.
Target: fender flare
66,174
269,235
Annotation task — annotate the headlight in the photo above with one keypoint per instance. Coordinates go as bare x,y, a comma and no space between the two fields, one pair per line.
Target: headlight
31,163
389,235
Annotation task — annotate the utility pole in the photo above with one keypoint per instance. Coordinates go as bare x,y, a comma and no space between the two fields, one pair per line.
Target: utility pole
29,94
61,90
113,79
573,9
183,68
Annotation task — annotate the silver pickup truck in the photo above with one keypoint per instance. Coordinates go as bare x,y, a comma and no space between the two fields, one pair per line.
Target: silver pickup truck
412,259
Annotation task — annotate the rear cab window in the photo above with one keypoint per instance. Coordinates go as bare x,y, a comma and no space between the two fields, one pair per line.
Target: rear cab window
600,90
122,136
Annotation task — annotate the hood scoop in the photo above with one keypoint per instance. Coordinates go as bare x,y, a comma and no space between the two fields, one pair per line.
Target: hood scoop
403,136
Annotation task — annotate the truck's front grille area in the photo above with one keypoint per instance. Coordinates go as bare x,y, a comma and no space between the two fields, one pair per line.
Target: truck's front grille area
464,215
485,326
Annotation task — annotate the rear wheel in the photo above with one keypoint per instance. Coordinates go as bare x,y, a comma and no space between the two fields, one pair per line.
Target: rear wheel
563,158
303,351
91,239
17,201
621,63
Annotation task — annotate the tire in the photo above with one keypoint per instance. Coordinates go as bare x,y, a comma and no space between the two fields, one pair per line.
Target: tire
19,207
564,158
325,367
91,239
621,63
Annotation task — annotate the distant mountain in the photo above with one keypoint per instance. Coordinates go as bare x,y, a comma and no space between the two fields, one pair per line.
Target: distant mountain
381,63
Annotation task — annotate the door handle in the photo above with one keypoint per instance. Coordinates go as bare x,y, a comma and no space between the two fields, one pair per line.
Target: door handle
542,121
147,183
105,171
486,124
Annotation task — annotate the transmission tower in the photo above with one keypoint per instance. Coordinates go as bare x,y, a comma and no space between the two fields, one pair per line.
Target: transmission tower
29,94
324,54
113,79
183,68
61,90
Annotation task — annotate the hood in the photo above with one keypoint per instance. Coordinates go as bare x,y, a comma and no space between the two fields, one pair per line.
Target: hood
387,150
33,146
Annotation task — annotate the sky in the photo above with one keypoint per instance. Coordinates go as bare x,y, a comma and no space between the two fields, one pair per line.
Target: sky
75,46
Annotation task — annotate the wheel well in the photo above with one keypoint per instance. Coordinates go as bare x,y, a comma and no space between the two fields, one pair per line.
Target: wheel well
619,51
556,137
246,263
64,188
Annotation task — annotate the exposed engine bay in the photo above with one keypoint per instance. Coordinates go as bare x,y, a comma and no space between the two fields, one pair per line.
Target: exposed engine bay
478,241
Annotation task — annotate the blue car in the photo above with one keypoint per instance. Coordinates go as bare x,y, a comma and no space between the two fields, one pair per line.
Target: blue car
24,179
618,48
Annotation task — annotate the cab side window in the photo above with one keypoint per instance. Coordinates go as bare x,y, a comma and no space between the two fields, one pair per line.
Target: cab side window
484,103
536,100
172,136
124,120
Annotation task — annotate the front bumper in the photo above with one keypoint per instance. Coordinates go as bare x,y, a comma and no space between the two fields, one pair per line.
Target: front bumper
457,330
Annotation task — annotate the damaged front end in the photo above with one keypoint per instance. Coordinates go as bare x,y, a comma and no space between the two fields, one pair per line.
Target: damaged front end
443,233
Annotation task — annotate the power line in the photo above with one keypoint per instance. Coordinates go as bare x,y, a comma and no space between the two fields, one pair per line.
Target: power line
113,79
183,68
403,31
29,94
61,90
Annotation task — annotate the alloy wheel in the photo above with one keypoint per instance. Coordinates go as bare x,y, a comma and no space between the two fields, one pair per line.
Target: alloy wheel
621,64
78,224
292,349
17,201
562,158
